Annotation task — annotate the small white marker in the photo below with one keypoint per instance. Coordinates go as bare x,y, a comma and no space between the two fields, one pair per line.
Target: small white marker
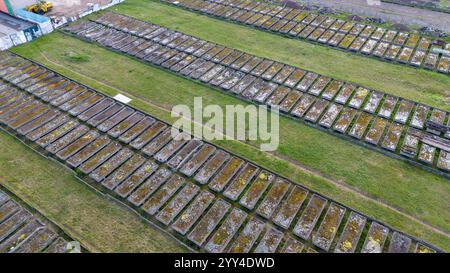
122,98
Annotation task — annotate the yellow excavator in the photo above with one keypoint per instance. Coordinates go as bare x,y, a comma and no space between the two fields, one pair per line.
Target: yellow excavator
41,7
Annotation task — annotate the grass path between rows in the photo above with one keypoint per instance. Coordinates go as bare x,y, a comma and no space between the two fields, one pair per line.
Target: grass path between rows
413,191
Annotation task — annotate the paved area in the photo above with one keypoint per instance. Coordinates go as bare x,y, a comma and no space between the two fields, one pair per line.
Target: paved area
440,5
392,12
21,3
66,8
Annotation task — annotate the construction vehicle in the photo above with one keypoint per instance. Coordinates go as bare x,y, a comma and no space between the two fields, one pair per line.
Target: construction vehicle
41,7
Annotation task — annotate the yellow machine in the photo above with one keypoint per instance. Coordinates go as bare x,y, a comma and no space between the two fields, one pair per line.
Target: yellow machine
41,7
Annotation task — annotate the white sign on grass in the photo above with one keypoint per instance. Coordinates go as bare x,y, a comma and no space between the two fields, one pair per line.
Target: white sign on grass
122,98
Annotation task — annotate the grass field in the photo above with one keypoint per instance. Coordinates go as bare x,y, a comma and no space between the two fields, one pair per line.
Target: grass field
410,189
417,84
98,223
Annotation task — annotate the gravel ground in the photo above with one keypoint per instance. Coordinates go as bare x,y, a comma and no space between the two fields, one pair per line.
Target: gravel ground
392,12
72,7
